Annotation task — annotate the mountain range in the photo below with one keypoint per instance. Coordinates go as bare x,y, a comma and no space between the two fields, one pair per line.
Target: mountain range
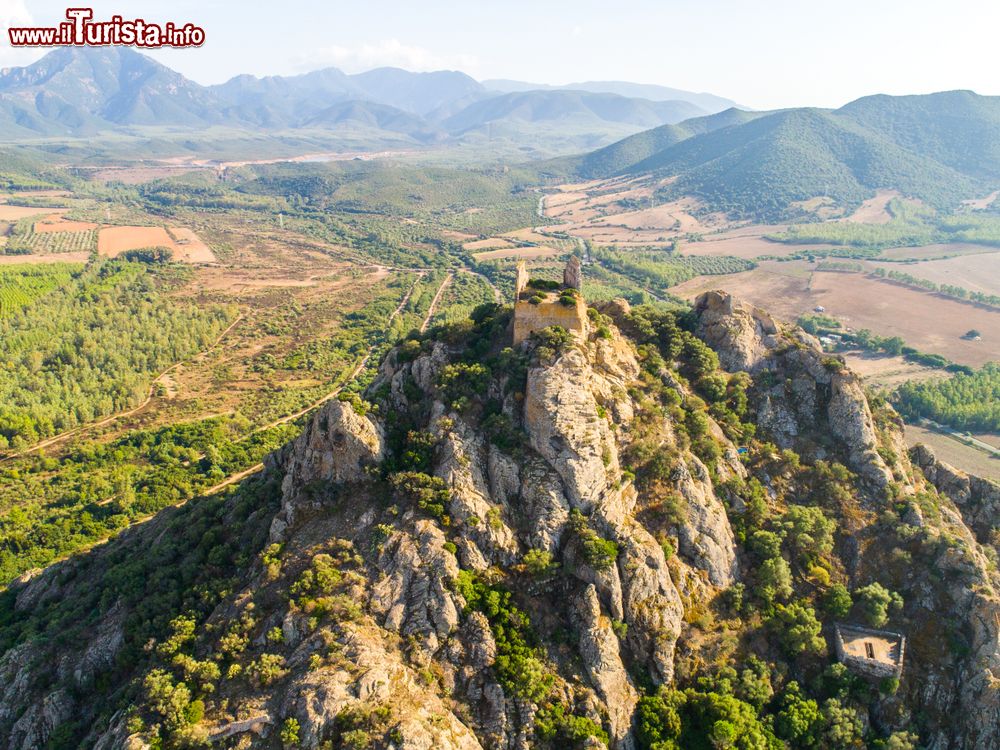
941,148
79,92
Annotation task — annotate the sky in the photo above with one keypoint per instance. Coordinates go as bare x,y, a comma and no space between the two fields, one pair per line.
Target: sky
763,54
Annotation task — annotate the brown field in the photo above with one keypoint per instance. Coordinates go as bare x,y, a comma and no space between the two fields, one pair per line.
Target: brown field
113,241
672,216
958,454
873,210
13,213
887,372
522,253
9,260
140,174
930,252
452,234
56,223
491,243
527,235
589,201
188,246
741,247
558,200
928,322
977,273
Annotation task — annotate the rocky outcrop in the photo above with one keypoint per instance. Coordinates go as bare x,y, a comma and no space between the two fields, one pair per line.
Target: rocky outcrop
336,448
977,499
602,660
800,391
413,597
377,677
560,415
741,334
705,535
526,551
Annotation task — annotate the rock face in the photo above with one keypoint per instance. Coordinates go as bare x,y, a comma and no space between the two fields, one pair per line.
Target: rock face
977,499
336,448
801,390
473,557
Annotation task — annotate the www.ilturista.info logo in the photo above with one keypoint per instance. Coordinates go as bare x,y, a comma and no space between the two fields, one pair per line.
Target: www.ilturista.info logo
81,30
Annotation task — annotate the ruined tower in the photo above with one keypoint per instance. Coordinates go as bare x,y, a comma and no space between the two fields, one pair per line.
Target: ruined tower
573,274
540,306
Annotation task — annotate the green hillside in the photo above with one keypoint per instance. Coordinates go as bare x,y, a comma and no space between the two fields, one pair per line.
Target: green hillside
941,148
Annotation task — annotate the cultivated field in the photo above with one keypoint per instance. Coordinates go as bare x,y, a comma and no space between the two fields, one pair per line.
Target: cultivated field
530,252
188,247
883,371
936,251
958,454
77,257
56,223
977,273
874,210
928,322
13,213
490,243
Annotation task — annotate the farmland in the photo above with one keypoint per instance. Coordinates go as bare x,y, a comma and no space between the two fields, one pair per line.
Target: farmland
184,244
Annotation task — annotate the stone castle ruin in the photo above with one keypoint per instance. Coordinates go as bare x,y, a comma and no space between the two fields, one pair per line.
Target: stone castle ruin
539,304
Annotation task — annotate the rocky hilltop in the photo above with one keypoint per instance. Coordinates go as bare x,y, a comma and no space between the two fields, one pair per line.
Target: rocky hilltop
639,536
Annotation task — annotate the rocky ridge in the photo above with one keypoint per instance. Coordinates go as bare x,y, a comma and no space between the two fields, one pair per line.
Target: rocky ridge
416,533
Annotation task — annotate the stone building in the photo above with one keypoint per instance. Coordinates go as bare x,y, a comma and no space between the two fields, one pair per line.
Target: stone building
874,653
541,306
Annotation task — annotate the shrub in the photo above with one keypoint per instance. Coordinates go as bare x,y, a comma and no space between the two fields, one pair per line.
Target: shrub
539,563
430,494
598,552
774,580
290,733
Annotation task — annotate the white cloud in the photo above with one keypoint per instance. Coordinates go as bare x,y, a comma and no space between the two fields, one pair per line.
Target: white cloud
15,13
383,53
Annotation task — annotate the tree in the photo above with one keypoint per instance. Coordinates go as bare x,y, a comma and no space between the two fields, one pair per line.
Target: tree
774,580
842,727
168,699
837,601
798,629
875,601
798,720
808,531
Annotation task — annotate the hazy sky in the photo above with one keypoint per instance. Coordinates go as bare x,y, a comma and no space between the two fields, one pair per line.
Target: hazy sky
763,53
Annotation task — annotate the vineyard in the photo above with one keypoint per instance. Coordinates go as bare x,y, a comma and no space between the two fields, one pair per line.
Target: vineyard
20,285
24,240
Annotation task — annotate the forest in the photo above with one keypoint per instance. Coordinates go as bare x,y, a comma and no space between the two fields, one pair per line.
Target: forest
912,224
965,402
93,346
